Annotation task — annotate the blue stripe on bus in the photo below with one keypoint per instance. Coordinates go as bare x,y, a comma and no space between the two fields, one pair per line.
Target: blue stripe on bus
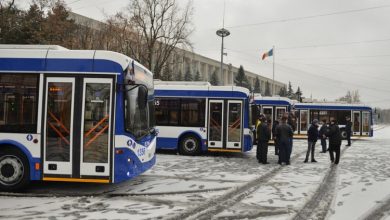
60,65
271,102
332,107
200,93
167,143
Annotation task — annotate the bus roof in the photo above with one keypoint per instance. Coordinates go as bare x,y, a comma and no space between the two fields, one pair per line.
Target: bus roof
53,59
332,106
180,90
275,100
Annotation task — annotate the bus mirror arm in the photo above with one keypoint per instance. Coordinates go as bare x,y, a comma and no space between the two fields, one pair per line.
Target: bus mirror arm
153,131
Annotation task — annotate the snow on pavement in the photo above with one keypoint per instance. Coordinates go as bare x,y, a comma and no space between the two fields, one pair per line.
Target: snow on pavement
180,184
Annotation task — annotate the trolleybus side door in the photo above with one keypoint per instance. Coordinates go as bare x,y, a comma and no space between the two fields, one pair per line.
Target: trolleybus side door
215,123
356,123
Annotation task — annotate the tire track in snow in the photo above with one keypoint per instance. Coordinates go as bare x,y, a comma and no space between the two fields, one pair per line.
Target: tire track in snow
319,204
216,205
379,211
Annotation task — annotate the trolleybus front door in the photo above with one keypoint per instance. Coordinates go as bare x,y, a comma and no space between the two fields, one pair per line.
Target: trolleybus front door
234,128
268,111
356,123
304,121
77,128
58,126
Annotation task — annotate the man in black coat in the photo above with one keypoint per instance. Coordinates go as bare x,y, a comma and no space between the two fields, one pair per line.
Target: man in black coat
322,136
263,136
276,122
348,130
284,134
334,135
312,137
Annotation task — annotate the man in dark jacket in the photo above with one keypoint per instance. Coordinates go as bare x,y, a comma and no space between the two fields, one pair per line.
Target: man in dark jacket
334,135
312,137
263,136
322,136
348,130
276,122
284,134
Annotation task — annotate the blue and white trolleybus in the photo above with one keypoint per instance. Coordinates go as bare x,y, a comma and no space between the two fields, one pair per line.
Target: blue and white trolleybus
196,117
69,115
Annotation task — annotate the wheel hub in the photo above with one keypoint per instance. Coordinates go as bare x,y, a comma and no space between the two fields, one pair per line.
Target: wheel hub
190,145
11,170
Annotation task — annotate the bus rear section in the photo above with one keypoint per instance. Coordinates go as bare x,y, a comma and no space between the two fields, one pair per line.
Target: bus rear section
62,117
360,115
196,117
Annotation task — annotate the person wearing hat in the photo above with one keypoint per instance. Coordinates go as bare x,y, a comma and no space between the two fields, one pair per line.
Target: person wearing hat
348,130
334,135
312,137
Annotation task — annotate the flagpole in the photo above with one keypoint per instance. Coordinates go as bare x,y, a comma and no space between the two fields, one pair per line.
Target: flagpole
273,70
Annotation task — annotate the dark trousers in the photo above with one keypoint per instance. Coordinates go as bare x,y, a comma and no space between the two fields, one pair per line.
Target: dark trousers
349,138
334,149
276,147
310,149
283,149
262,151
323,144
289,150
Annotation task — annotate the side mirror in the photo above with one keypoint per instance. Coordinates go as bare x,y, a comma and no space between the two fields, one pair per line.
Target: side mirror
142,97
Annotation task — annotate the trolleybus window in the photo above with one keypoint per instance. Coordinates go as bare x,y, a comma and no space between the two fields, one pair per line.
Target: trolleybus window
18,103
192,112
167,112
136,112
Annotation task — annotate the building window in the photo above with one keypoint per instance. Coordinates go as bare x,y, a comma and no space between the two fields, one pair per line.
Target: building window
18,103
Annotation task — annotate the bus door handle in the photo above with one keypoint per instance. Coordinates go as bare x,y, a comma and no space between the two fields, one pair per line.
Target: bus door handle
236,144
212,143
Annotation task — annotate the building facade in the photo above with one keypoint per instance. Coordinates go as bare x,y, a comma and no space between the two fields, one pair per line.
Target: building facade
183,61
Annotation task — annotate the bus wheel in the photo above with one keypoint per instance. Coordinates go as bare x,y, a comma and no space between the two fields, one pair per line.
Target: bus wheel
14,170
189,145
343,134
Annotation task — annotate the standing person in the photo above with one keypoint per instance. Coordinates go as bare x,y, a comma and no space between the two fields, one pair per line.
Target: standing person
258,123
284,135
276,122
334,135
292,121
312,137
322,136
348,130
263,136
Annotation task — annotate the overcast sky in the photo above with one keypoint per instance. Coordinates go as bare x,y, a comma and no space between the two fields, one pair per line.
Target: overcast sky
326,55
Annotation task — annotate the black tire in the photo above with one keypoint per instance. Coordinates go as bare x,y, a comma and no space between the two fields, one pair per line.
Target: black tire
14,170
189,145
343,134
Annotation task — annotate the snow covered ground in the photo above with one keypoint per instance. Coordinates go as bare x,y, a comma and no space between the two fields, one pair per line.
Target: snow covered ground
227,186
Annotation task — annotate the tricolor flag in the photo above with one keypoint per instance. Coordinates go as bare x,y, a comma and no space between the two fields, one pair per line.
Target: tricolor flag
268,54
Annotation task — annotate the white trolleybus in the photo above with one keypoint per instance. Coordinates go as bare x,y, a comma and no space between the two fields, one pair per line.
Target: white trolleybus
197,117
78,116
361,117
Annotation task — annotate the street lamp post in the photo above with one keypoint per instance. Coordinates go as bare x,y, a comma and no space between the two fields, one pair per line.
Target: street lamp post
222,33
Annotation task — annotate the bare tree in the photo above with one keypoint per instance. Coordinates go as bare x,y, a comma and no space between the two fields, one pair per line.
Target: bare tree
158,26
